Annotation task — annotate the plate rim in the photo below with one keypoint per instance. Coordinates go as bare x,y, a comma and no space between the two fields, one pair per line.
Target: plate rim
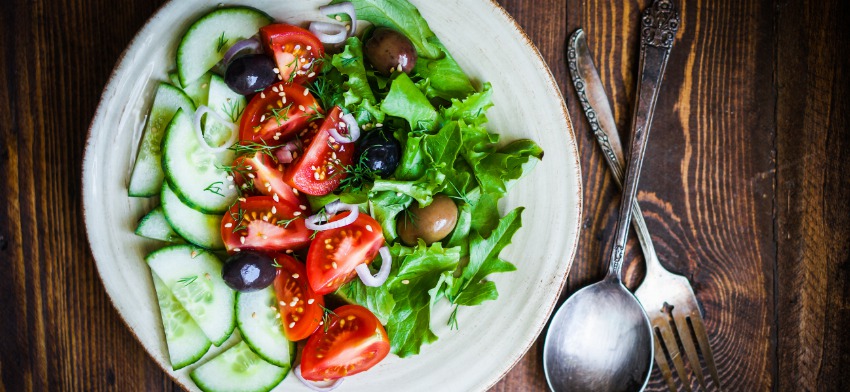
518,31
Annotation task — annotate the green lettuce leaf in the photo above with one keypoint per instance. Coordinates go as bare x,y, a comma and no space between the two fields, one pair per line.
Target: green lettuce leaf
357,95
399,15
406,101
385,207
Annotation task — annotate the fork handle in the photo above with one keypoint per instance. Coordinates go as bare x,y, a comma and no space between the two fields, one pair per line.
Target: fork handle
659,24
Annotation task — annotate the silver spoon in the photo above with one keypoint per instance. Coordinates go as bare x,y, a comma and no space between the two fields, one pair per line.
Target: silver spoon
600,339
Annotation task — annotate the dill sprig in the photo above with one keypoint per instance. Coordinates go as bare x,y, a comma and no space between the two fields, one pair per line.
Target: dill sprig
233,109
326,318
285,222
358,176
221,42
248,148
238,217
187,280
280,115
215,188
453,319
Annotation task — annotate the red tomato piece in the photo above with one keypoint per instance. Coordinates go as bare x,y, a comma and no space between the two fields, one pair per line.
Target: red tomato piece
278,113
353,341
295,51
267,179
322,166
334,253
300,307
260,223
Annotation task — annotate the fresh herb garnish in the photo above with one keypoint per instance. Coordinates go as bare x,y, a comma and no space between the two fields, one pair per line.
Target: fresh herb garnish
326,318
233,109
221,42
453,319
187,280
215,188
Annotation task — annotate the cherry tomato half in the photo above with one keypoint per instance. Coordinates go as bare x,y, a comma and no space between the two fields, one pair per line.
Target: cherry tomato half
295,51
260,173
260,223
278,113
353,342
300,307
334,253
322,166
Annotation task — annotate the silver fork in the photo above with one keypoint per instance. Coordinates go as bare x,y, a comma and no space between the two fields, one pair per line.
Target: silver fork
668,298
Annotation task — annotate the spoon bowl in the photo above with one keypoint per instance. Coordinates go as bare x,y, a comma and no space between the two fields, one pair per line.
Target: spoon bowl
599,340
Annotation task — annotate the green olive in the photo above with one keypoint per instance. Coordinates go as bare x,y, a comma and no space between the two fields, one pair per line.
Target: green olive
431,223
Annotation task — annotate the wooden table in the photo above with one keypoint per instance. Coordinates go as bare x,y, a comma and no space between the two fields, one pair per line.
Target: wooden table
745,187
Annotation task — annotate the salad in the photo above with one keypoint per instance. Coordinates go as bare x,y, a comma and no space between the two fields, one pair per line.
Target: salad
320,190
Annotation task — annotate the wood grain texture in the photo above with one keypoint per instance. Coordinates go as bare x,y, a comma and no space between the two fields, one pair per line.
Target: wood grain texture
813,196
744,190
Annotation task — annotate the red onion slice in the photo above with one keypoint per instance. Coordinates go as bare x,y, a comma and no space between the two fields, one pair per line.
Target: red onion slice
378,279
316,386
312,222
284,153
329,33
249,43
342,8
199,132
352,127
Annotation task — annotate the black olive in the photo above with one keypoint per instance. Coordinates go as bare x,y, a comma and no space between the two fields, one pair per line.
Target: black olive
379,151
248,271
386,49
249,74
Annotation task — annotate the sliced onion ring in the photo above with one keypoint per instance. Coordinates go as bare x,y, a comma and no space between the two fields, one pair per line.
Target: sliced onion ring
378,279
342,8
284,154
249,43
312,221
199,132
316,386
352,127
329,33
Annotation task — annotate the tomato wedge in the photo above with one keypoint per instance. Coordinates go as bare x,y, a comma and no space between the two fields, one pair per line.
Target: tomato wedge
278,113
261,223
334,253
300,307
295,51
352,342
322,166
259,172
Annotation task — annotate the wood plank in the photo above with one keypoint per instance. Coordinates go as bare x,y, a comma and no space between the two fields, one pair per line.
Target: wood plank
60,329
813,195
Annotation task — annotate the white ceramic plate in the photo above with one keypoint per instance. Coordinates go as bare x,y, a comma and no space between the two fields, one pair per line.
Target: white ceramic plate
490,46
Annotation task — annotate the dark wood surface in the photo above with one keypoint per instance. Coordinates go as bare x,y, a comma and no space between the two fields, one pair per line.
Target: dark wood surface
745,187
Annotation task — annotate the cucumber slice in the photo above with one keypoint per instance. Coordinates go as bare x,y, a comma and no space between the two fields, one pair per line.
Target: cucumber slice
209,38
238,369
155,226
258,320
199,90
194,277
192,171
147,176
185,339
201,229
226,103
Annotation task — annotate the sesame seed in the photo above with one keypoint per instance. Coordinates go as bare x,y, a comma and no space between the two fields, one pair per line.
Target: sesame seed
283,101
275,197
399,67
306,91
398,193
277,315
311,74
276,137
292,324
242,240
230,186
405,281
379,125
310,301
274,209
207,276
333,264
282,303
254,315
316,175
339,18
298,47
229,178
266,218
320,323
282,94
302,207
228,225
276,70
263,95
296,213
295,191
250,175
265,237
289,251
309,47
204,85
193,254
294,299
369,228
295,276
301,108
242,199
236,249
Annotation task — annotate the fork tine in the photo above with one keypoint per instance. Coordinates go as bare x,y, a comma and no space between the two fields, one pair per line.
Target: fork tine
704,347
681,321
673,349
661,361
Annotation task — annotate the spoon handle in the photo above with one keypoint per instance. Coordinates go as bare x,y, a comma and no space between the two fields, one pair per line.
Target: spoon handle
659,24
